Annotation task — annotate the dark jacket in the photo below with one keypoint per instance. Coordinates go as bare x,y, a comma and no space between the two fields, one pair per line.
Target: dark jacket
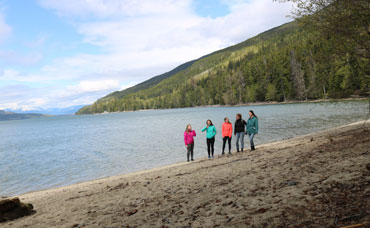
239,126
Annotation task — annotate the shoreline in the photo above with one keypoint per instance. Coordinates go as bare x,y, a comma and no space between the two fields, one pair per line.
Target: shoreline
136,198
178,164
244,104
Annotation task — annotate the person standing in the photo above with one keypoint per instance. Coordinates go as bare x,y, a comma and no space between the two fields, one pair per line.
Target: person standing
189,135
239,131
211,132
252,127
227,132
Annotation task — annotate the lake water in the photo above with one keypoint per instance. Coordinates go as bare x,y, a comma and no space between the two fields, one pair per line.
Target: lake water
55,151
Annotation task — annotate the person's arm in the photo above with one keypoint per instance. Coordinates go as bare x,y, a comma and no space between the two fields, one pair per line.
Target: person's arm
235,128
245,126
195,134
205,128
231,130
214,130
185,139
256,125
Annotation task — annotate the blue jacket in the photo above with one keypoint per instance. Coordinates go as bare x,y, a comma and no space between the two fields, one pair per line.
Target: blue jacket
211,131
252,125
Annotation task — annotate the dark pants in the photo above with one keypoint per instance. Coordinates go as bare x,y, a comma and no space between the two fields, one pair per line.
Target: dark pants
210,146
190,150
228,139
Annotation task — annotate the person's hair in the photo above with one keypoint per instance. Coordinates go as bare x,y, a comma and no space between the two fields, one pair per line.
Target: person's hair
209,121
240,115
251,111
186,129
227,118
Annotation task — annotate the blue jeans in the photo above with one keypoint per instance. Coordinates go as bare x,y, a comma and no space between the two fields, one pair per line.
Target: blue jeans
239,135
251,136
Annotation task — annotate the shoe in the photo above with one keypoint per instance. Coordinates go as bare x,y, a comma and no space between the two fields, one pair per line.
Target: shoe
188,160
253,148
223,153
229,153
242,149
209,157
237,150
192,159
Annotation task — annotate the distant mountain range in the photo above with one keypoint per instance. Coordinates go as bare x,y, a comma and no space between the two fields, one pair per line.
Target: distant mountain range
4,115
50,111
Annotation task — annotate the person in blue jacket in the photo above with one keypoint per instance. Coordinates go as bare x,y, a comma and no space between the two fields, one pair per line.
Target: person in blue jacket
252,127
211,132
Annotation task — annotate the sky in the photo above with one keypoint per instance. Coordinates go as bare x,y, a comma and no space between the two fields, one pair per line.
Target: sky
61,53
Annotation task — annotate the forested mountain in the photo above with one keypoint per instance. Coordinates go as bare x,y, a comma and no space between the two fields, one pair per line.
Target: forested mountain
284,63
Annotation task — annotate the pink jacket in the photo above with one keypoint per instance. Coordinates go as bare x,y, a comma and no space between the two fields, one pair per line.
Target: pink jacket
189,137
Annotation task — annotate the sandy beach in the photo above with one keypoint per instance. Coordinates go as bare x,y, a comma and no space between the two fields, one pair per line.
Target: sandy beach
315,180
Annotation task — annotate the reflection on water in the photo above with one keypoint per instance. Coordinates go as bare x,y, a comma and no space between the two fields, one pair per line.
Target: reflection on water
42,153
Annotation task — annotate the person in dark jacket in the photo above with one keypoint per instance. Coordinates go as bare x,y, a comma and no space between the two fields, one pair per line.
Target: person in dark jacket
252,127
239,131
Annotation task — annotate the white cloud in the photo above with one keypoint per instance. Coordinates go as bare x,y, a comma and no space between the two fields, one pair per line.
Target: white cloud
91,86
10,74
163,37
85,92
27,98
12,57
114,8
139,40
37,42
249,18
5,29
22,97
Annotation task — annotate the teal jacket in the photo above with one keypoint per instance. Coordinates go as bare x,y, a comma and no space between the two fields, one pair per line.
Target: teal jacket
211,131
252,125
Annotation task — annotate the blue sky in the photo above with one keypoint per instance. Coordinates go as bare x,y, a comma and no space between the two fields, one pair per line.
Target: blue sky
60,53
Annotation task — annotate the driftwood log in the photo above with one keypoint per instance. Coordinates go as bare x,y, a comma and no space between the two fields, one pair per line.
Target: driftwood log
13,208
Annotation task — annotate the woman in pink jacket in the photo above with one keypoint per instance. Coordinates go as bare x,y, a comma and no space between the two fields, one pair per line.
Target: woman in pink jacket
227,133
189,140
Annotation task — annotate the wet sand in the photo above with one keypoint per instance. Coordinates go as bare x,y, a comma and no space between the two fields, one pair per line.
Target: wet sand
316,180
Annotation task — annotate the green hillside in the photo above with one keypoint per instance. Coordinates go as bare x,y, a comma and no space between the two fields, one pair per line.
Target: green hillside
284,63
148,83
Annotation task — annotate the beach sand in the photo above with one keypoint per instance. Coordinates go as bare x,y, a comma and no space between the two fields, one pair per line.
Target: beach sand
316,180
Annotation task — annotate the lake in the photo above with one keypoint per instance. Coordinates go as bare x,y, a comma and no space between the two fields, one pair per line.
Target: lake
56,151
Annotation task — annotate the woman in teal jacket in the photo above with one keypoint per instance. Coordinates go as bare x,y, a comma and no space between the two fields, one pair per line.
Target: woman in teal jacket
211,132
252,127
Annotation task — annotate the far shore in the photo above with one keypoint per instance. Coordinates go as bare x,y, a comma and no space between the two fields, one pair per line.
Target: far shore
316,180
250,104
